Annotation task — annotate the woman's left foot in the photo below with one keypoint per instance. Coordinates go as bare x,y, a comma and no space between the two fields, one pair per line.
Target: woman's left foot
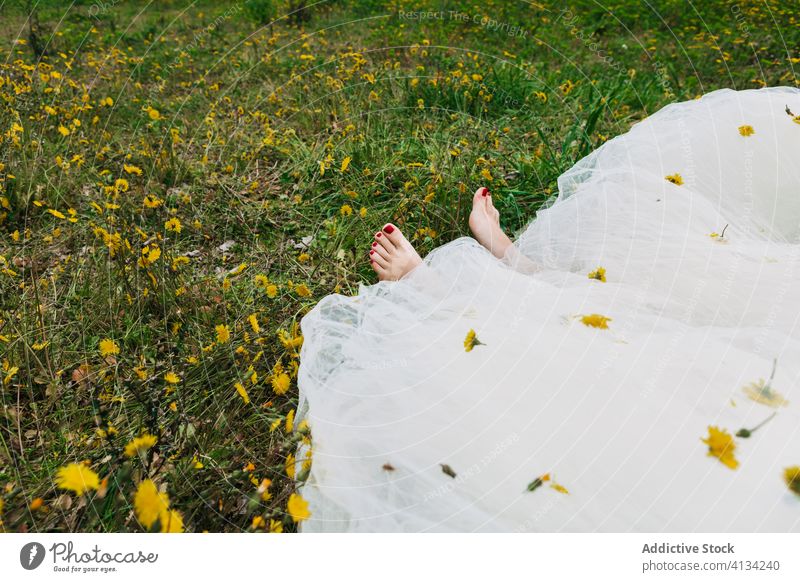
484,222
391,255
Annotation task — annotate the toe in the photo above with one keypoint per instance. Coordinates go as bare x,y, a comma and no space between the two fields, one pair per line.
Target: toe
479,198
393,234
379,260
490,203
376,267
378,249
382,270
383,242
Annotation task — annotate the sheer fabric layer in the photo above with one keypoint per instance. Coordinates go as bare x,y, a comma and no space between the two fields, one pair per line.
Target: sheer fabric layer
703,294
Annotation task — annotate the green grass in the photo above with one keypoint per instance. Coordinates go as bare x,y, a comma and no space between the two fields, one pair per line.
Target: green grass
425,110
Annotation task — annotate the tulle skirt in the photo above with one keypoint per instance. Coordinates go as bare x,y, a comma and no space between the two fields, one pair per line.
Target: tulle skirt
640,322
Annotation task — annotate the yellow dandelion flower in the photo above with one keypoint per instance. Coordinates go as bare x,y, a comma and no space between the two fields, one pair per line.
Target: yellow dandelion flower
108,347
721,445
10,373
298,508
599,274
171,378
153,114
242,392
471,341
253,319
289,421
345,163
131,169
746,130
238,270
56,213
78,478
272,291
223,334
140,445
258,522
595,320
280,383
275,526
263,489
171,521
676,179
290,465
291,342
149,504
275,424
150,254
346,210
302,290
152,201
173,225
792,477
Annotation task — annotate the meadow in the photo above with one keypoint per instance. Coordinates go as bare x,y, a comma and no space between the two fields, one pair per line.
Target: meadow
180,182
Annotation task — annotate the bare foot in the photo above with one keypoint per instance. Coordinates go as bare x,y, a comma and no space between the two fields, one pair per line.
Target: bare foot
391,255
484,222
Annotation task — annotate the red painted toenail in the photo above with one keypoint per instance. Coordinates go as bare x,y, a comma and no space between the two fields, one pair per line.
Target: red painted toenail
372,252
388,229
379,234
374,244
485,192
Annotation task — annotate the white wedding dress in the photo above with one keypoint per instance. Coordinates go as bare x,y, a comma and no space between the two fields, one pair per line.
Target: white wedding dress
411,432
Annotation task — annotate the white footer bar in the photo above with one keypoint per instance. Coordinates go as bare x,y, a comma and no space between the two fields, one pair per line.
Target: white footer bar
494,557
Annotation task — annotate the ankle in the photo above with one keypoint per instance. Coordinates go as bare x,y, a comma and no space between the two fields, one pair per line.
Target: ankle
500,247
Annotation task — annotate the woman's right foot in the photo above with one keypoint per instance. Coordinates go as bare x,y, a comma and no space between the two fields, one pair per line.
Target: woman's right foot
391,255
484,222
